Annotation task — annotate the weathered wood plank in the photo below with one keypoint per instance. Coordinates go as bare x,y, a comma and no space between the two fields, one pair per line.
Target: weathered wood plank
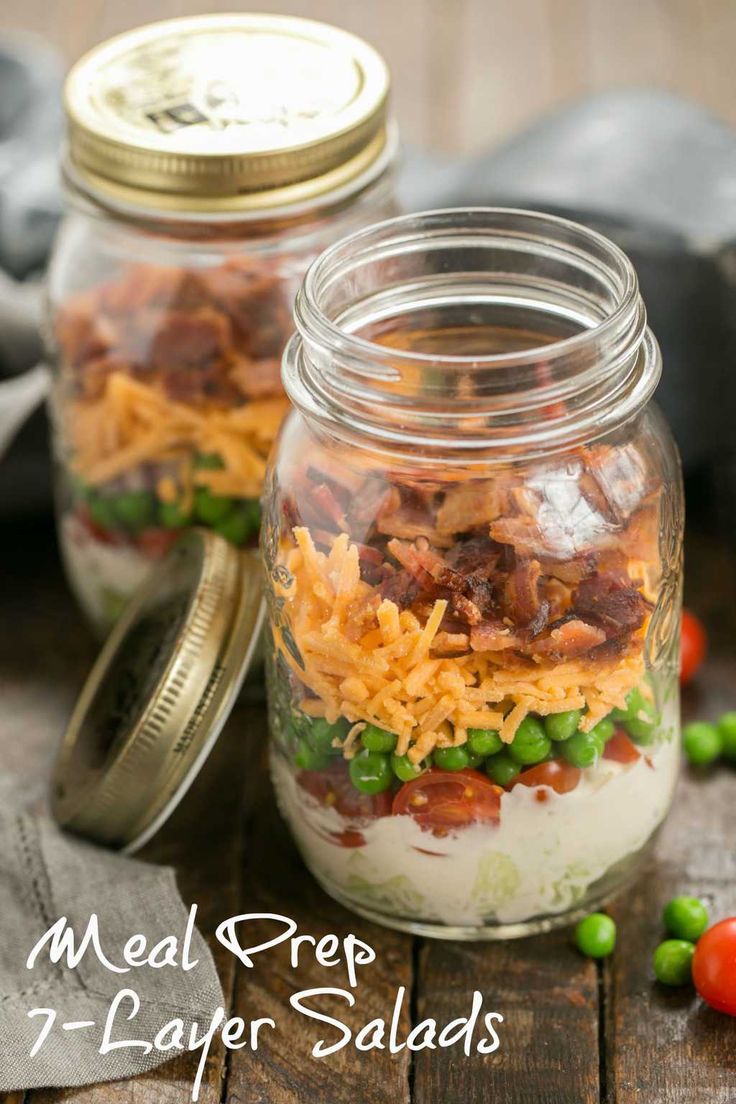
548,996
663,1045
283,1071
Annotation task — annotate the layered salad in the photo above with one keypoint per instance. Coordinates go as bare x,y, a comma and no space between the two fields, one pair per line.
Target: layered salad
167,403
473,682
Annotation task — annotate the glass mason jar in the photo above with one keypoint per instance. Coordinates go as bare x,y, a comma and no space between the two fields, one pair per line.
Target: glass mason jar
201,186
473,548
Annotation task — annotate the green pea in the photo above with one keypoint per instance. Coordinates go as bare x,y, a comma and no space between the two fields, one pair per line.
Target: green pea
641,717
102,511
451,758
173,516
135,509
208,461
377,739
685,918
502,768
210,508
235,527
474,760
252,509
561,726
603,731
370,771
727,730
582,750
701,743
595,935
484,741
404,769
530,744
673,961
308,758
320,734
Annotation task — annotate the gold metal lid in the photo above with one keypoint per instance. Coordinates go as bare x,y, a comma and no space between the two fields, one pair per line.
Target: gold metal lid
159,693
225,113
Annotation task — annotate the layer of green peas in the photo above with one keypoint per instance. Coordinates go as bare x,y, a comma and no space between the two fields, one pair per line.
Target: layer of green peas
238,520
376,765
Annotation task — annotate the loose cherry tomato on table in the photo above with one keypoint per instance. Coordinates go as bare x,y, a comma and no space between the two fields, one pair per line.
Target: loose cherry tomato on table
620,748
440,800
694,643
559,775
714,966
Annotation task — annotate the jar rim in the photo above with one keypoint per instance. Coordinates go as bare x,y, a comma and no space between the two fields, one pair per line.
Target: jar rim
318,325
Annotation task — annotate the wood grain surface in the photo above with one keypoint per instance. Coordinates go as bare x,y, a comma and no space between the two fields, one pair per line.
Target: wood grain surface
469,73
574,1032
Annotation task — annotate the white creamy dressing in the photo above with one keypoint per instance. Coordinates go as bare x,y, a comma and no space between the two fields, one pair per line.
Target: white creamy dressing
102,575
541,858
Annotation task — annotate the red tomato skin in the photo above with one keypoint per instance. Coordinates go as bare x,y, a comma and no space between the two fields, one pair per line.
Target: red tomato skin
714,966
104,536
332,786
693,646
440,800
155,543
620,748
556,774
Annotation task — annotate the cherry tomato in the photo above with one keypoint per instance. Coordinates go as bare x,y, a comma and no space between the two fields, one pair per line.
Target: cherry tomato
620,748
558,774
155,543
440,800
693,644
104,536
332,787
714,966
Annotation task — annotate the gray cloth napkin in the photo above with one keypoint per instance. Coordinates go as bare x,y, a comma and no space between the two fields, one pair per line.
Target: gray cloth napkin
45,875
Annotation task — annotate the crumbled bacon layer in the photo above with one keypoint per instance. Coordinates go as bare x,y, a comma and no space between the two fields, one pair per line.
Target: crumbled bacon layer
549,566
210,335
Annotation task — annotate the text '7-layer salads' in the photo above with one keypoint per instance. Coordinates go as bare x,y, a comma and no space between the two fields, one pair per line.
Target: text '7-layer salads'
468,728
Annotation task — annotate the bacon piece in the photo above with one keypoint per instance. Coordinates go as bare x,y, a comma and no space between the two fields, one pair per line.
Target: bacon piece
409,514
611,603
570,639
256,379
469,505
522,591
401,588
190,340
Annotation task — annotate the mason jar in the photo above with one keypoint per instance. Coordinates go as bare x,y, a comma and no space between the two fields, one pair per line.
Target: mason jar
473,555
209,160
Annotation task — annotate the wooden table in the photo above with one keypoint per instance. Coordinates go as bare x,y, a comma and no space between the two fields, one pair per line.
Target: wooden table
574,1032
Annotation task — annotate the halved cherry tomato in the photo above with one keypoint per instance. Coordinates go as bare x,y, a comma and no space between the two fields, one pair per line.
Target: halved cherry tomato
332,787
693,646
714,966
155,543
560,776
104,536
440,800
620,748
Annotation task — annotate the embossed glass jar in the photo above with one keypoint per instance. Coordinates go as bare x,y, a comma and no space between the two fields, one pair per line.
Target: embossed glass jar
209,161
473,549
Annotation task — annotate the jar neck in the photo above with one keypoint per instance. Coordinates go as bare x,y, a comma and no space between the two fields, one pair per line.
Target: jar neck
476,333
348,203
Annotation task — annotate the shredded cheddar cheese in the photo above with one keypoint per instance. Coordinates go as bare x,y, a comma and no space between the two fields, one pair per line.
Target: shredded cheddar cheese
366,660
134,423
